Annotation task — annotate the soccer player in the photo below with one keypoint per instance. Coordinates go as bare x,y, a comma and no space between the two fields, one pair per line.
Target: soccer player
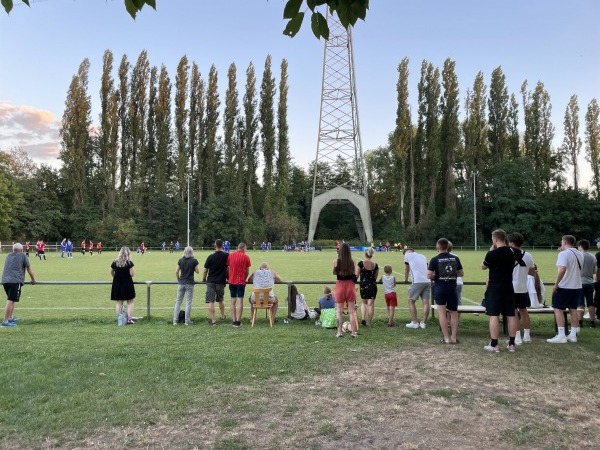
63,247
83,247
99,247
91,248
69,247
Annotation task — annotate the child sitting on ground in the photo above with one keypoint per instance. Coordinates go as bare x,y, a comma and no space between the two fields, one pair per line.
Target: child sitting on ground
325,302
298,306
389,289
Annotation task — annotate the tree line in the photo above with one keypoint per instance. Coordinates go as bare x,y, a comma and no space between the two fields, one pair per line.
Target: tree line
160,143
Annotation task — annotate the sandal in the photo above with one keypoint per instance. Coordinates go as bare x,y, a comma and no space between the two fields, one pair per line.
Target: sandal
338,335
130,322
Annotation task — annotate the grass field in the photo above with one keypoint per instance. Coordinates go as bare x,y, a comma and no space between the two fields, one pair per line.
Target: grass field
72,378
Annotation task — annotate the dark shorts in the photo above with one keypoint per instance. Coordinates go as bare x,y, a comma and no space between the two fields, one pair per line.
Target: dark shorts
586,296
500,300
214,292
565,298
237,290
444,294
522,300
13,291
41,252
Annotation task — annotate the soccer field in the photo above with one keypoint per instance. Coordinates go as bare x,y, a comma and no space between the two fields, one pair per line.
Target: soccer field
72,379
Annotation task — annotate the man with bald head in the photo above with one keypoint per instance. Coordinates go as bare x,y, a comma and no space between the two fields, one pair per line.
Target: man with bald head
264,278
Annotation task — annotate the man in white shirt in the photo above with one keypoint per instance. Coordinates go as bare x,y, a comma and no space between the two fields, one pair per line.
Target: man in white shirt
586,296
566,289
416,264
524,266
264,278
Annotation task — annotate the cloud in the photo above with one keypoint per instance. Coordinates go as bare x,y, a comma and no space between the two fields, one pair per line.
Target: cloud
34,130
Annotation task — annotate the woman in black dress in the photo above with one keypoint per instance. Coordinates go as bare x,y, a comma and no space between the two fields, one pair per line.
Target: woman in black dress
367,270
122,286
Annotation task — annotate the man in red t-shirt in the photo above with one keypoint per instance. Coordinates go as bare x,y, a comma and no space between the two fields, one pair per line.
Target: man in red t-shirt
238,264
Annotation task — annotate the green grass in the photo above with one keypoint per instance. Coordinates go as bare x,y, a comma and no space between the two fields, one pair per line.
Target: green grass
68,370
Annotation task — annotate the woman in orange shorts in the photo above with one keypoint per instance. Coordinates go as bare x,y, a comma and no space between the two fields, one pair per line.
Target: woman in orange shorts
345,289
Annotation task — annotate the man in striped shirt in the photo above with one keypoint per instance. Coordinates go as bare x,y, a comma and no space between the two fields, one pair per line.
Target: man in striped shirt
239,268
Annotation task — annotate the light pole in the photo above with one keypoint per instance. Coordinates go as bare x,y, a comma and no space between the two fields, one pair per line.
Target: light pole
475,207
188,210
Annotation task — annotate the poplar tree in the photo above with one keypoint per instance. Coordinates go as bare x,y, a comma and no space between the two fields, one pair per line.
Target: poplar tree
230,118
476,150
250,139
450,132
428,139
539,133
125,126
164,139
403,146
211,159
283,142
138,115
74,132
149,165
571,141
109,129
513,142
181,117
267,134
197,131
498,116
592,143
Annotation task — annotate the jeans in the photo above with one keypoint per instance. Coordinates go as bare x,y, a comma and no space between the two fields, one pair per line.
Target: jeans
188,290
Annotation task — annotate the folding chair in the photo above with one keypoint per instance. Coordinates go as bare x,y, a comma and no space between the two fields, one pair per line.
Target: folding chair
261,301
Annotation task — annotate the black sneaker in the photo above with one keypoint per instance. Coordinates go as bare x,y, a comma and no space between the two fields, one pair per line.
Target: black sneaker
592,324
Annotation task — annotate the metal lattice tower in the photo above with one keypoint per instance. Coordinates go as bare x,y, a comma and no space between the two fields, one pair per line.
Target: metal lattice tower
339,171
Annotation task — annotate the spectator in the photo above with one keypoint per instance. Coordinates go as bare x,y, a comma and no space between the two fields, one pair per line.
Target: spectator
215,275
325,302
367,270
586,296
416,265
522,269
345,290
123,289
264,278
13,278
298,306
186,266
239,266
389,290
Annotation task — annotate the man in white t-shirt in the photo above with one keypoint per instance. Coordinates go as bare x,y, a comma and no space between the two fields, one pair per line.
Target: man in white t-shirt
566,289
416,264
524,266
265,278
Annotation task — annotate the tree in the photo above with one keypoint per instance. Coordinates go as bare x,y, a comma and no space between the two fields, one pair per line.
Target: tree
267,133
403,145
348,11
181,116
75,135
125,127
283,143
250,139
450,132
212,156
197,130
592,143
498,116
164,140
539,133
230,118
572,141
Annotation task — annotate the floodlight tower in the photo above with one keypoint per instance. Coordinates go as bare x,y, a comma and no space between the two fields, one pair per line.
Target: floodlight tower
339,169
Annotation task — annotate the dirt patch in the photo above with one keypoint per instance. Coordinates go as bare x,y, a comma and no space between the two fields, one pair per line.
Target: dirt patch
432,399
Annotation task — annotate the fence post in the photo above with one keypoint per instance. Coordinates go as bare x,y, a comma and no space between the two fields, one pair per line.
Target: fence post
148,284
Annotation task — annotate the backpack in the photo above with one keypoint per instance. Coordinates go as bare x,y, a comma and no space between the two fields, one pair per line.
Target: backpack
328,318
181,318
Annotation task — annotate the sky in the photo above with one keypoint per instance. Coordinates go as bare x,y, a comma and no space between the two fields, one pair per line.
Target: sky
553,41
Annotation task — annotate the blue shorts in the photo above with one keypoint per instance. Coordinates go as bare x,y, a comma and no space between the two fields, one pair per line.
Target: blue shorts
565,298
586,296
444,294
237,290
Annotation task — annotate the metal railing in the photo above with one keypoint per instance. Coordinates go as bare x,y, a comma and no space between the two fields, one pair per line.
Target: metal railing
149,285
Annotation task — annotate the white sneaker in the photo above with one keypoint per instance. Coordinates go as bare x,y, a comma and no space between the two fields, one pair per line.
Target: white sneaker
412,325
527,339
586,316
572,338
489,348
518,341
422,325
557,340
